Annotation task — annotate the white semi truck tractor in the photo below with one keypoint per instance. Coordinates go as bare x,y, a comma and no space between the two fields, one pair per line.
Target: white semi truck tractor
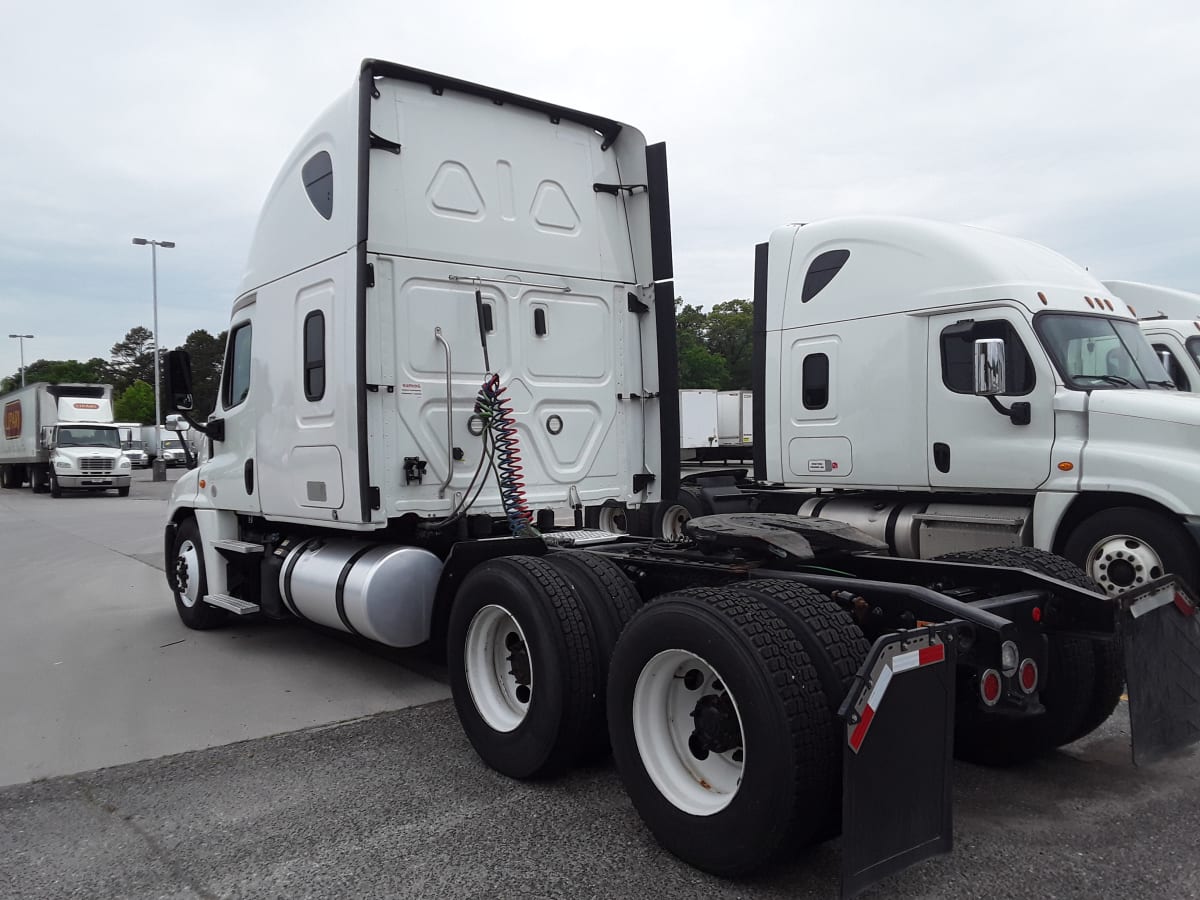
1170,319
61,437
872,335
457,318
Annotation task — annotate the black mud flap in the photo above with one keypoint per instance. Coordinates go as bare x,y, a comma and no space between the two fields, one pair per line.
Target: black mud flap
1160,630
898,756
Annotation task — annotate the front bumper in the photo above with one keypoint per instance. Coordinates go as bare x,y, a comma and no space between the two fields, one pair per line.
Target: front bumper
91,482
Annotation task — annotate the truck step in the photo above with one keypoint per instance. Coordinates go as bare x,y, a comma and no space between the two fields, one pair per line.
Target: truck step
233,604
238,546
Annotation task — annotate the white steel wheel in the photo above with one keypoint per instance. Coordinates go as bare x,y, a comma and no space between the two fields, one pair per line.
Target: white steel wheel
688,732
674,517
612,519
1123,561
498,668
188,573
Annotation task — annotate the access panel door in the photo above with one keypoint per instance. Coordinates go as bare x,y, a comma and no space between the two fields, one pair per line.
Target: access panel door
971,444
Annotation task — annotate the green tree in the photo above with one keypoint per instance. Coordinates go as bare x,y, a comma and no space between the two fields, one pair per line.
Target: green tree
699,367
59,371
207,353
730,336
136,404
133,359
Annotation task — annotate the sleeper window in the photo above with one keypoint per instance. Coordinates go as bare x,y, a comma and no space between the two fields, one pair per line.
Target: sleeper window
317,175
314,355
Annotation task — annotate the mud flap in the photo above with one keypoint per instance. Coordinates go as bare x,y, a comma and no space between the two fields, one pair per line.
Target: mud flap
1160,631
898,756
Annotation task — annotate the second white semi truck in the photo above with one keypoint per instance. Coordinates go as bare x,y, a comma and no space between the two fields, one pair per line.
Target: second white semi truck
458,317
1170,319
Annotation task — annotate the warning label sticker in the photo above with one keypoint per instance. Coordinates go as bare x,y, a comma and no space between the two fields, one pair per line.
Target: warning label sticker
412,390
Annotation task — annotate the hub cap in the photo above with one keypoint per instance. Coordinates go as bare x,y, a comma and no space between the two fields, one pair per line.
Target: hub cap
613,520
1121,562
187,573
498,668
673,520
688,732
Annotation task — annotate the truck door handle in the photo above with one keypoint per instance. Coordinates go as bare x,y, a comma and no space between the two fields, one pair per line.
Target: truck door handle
941,457
248,475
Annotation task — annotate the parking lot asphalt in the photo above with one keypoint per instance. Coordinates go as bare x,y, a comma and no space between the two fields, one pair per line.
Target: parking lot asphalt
278,761
96,668
398,805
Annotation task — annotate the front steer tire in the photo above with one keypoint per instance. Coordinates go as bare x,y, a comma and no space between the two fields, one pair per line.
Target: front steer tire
715,642
520,654
189,580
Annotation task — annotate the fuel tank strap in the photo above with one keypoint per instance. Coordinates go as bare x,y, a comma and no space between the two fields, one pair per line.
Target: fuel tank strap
339,594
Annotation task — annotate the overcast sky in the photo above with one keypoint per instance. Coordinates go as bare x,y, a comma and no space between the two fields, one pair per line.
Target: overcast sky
1076,125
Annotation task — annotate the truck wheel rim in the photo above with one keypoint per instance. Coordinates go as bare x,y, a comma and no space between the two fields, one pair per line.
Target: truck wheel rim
498,668
612,519
1122,561
673,521
688,732
187,573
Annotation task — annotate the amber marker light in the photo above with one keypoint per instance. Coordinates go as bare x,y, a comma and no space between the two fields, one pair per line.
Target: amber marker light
1042,297
202,480
1066,466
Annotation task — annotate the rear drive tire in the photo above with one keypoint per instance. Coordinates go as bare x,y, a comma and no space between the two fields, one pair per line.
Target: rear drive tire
521,659
1082,685
609,600
670,517
189,582
720,731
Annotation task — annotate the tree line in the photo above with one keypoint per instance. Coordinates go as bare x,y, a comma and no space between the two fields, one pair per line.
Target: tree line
130,370
715,347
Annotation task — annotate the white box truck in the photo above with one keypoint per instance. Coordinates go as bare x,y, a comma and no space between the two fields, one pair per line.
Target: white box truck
61,437
458,316
132,444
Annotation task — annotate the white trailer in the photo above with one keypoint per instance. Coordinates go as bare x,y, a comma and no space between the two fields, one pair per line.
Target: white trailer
735,418
458,317
60,437
697,422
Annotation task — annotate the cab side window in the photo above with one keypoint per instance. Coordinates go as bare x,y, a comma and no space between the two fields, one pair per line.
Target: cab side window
237,367
1174,369
958,363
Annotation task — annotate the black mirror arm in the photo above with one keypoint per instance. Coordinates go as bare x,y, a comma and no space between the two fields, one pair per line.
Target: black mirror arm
1018,413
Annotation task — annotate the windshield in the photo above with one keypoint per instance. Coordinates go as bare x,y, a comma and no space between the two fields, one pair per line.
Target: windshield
133,445
89,437
1096,352
172,445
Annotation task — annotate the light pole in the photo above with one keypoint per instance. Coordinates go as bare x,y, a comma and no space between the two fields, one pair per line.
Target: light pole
160,466
21,338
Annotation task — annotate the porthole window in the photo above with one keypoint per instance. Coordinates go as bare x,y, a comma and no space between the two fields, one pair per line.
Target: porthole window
318,183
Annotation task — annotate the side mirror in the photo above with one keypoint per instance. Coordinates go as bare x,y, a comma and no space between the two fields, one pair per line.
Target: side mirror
178,378
991,374
176,423
1164,357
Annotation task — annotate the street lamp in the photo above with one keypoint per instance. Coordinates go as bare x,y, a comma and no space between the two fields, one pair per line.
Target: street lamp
21,338
160,467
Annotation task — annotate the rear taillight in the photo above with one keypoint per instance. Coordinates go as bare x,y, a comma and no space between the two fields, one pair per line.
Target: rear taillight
1028,676
990,687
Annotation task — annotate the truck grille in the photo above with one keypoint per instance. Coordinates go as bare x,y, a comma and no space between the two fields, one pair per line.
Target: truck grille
95,465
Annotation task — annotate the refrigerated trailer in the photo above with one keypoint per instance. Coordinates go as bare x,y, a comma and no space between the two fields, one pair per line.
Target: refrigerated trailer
458,317
61,437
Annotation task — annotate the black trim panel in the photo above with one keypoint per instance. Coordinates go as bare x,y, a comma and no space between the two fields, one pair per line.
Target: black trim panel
366,90
758,368
660,212
668,389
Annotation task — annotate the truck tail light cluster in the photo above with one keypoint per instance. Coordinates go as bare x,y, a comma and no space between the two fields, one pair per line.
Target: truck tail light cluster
990,687
1028,676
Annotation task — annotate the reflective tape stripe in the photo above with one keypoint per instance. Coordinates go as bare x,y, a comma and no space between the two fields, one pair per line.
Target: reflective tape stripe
876,697
901,662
